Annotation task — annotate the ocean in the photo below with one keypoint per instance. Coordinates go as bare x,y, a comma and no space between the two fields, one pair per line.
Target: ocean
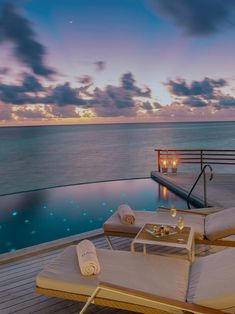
45,156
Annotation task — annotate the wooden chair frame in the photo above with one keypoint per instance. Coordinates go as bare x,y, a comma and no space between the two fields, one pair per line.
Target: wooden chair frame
161,301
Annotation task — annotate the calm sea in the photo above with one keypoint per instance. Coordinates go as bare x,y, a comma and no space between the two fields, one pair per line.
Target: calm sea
37,157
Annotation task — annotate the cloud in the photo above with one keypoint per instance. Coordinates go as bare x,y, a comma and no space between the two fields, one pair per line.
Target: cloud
18,94
200,94
18,30
31,84
147,106
64,112
197,17
129,84
30,99
63,95
195,102
100,65
27,93
157,105
225,101
118,100
5,112
4,71
205,88
85,79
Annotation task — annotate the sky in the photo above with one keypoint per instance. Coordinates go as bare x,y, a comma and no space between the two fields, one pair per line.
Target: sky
112,61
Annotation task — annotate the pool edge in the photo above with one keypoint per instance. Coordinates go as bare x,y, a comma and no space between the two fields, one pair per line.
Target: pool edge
47,246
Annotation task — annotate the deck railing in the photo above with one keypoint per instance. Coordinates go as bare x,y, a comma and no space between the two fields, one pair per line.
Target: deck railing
195,156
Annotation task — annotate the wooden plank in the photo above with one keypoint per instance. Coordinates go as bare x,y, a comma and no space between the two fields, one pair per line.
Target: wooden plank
5,293
41,306
60,307
38,299
27,261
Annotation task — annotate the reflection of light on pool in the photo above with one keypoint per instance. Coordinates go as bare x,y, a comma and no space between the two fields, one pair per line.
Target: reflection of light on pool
61,212
164,192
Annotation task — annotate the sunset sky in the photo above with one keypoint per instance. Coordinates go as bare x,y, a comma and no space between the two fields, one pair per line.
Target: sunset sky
98,61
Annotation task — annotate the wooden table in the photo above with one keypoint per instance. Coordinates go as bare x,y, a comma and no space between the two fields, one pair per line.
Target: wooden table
187,235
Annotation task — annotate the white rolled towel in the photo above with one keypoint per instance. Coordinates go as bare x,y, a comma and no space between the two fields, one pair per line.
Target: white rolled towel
87,258
126,214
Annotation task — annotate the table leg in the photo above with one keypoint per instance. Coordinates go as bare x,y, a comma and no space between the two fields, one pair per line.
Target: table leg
193,251
144,249
132,247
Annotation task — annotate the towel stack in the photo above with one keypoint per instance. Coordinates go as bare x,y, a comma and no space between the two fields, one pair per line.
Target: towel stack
87,258
126,214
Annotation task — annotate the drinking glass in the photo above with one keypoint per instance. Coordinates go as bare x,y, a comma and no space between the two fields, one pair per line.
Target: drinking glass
173,213
180,224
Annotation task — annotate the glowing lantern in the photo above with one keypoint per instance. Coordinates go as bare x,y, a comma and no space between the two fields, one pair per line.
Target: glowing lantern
174,166
164,166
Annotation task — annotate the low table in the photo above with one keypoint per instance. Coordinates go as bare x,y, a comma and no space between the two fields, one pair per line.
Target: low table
187,234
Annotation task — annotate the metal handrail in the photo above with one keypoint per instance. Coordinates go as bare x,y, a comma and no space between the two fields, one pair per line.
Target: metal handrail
199,157
204,180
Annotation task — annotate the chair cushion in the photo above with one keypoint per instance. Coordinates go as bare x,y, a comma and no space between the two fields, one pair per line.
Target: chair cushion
114,224
212,280
159,275
221,224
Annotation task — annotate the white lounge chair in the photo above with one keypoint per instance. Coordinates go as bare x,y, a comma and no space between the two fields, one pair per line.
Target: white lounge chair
211,225
145,283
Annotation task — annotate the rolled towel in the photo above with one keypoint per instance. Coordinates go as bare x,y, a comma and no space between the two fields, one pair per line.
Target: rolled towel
87,258
126,214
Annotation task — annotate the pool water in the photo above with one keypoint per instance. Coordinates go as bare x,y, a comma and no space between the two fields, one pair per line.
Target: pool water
31,218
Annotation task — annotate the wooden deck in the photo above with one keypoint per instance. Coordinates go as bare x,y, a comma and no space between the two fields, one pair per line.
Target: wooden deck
220,191
17,283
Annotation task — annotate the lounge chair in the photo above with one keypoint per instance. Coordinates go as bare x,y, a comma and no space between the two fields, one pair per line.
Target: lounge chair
145,283
212,226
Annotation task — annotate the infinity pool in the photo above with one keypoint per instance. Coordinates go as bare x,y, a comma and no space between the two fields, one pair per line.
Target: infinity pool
31,218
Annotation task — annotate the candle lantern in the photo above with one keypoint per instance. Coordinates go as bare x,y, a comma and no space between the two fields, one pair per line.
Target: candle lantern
174,166
164,166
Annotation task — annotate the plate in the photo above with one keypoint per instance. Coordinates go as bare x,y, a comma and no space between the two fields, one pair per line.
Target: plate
159,236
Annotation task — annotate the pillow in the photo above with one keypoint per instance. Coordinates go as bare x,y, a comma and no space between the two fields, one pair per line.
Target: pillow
212,280
221,224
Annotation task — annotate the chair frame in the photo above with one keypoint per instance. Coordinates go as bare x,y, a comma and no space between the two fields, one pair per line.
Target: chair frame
161,301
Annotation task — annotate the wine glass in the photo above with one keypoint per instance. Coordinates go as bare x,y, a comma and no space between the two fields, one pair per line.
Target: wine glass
173,213
180,224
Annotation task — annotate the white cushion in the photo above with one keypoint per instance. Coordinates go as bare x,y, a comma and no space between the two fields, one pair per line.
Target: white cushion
159,275
212,280
114,224
221,224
